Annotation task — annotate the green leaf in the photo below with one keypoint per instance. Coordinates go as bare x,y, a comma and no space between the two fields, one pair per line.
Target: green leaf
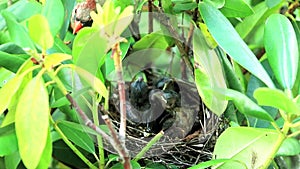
32,122
208,75
88,49
12,62
22,10
289,147
46,157
8,140
134,165
276,98
153,40
93,81
5,76
282,49
68,8
211,163
252,22
184,6
55,59
272,3
8,91
16,31
59,46
12,160
246,105
216,3
77,133
236,8
232,43
55,19
39,31
246,144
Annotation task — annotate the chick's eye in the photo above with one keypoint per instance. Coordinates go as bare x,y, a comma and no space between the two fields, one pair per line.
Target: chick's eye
75,11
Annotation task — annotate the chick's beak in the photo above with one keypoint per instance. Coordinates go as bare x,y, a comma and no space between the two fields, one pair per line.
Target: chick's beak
77,26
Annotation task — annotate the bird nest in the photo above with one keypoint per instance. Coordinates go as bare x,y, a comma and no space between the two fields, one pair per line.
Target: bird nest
190,128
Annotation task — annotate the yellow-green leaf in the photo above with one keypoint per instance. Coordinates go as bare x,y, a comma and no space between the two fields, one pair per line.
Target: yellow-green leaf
8,90
32,122
55,59
39,31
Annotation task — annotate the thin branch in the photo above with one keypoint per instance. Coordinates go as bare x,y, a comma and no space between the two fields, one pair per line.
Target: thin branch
150,16
116,54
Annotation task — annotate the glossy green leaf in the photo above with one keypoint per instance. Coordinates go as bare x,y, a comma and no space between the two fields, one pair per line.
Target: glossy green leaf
8,91
11,48
289,147
246,106
12,62
55,59
215,162
184,6
55,19
276,98
17,31
296,26
124,19
246,144
59,46
39,31
22,10
46,157
216,3
88,49
78,135
208,75
134,165
12,160
5,76
68,8
272,3
236,8
282,49
231,42
8,140
32,122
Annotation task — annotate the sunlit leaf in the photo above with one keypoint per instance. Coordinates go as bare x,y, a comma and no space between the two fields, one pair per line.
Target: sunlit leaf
8,91
93,81
208,75
39,31
246,144
276,98
8,140
124,20
282,49
46,157
55,59
236,8
32,122
55,19
272,3
17,31
229,40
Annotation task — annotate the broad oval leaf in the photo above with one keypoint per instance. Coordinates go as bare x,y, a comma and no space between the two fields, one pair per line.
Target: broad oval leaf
55,19
93,81
17,31
282,49
32,122
246,144
208,74
246,106
78,134
236,8
39,31
8,90
231,42
55,59
8,140
276,98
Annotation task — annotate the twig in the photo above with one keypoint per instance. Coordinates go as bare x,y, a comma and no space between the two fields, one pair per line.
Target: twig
118,145
116,54
150,16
